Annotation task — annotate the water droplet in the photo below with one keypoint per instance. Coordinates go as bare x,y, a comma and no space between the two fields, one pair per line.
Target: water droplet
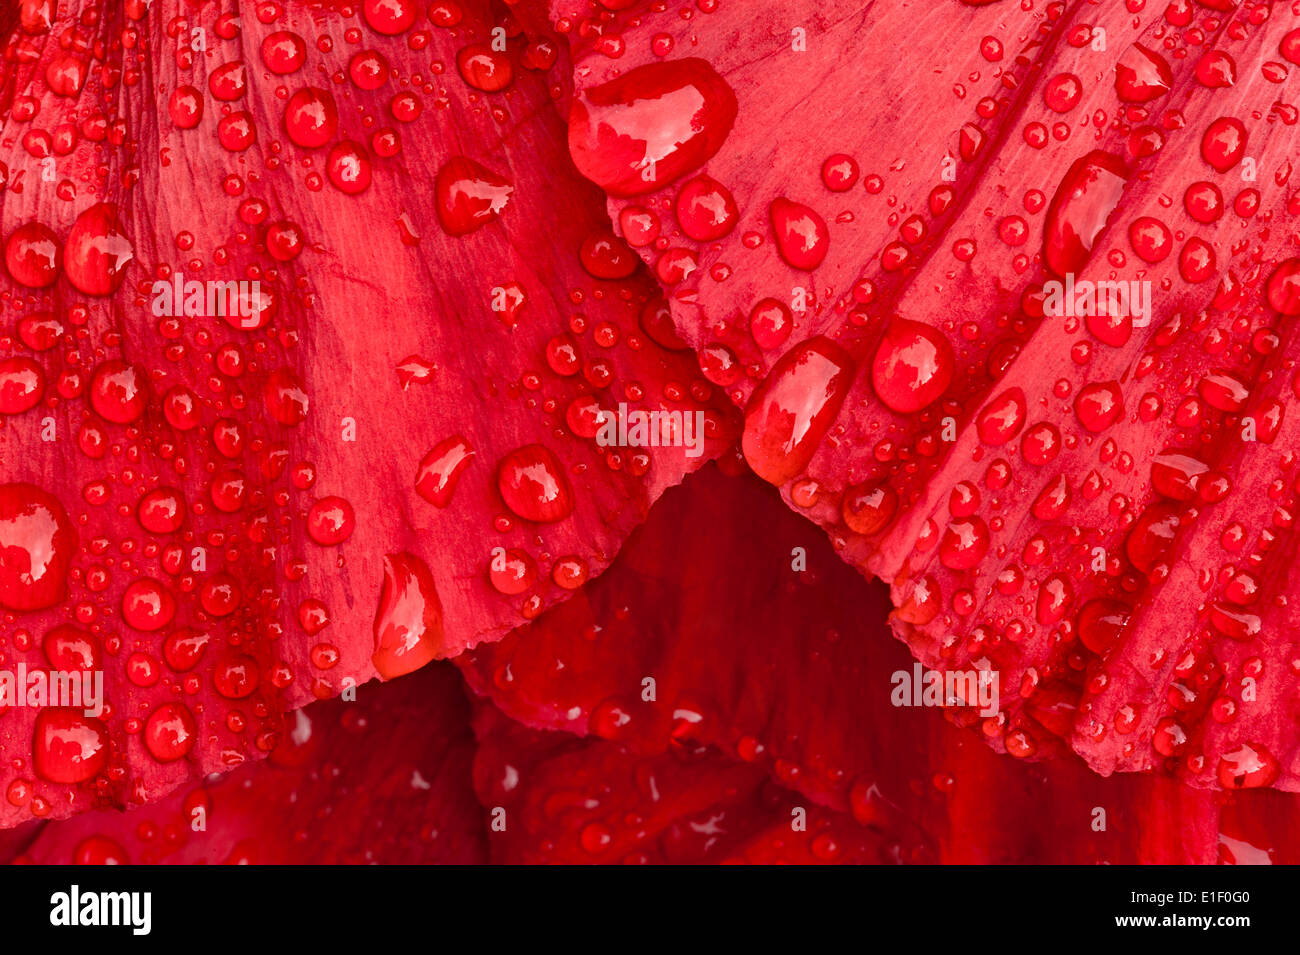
284,52
408,621
533,485
657,321
1249,766
169,732
161,511
469,196
801,235
1176,475
868,508
33,255
790,412
184,648
22,385
1224,143
117,392
964,544
331,521
348,168
97,251
1283,289
706,209
770,323
1216,70
285,398
839,172
651,125
484,68
67,648
1062,93
913,366
311,119
390,17
1151,539
441,468
1099,405
67,746
1083,202
1142,75
37,544
1003,417
1041,444
605,256
1101,622
148,605
1151,239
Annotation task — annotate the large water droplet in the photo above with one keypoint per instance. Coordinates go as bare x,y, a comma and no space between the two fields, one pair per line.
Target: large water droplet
148,605
1224,143
117,392
68,648
1152,537
97,251
533,485
1249,766
408,621
801,235
789,413
37,543
67,746
1283,288
706,209
311,119
1101,622
1084,200
441,468
964,543
913,366
868,508
22,384
469,196
33,255
651,125
1002,418
170,732
1142,75
1099,405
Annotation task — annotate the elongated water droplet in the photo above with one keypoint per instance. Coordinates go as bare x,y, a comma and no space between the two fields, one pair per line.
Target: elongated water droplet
1078,212
408,621
789,413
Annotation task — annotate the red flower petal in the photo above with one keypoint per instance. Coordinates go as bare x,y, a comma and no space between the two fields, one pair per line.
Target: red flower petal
213,499
554,799
1012,434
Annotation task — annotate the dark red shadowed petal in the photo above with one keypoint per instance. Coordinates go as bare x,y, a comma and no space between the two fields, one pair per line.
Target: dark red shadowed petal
555,799
253,496
1018,443
722,602
735,658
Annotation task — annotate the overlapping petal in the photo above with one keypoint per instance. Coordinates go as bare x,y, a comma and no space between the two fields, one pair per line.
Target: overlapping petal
382,449
861,236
